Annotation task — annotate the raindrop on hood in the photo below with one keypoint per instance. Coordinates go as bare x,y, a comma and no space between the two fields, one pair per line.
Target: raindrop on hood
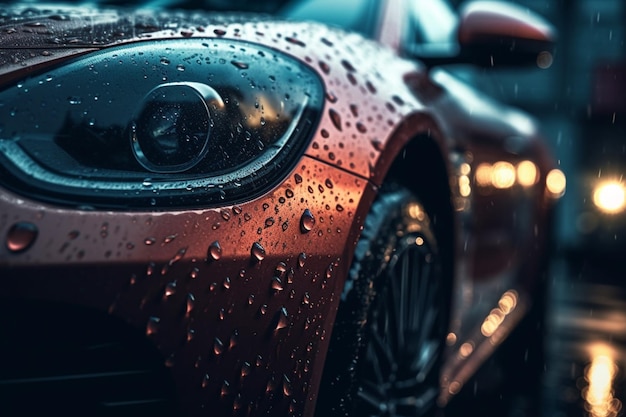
301,259
307,221
215,250
246,368
218,346
283,319
335,118
287,390
191,300
257,251
153,325
170,289
21,236
277,284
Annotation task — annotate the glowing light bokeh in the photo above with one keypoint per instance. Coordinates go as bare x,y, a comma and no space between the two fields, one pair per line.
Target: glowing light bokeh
555,182
527,173
600,377
503,175
610,197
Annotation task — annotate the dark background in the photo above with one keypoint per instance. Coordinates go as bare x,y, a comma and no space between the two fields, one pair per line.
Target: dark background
581,103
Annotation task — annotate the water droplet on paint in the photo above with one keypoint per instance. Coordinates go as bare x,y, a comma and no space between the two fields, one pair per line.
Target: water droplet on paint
280,270
169,239
307,221
21,237
329,271
335,118
301,259
283,319
277,284
153,325
179,255
170,289
225,389
263,309
246,368
240,65
287,390
215,250
257,251
218,346
234,339
226,283
191,300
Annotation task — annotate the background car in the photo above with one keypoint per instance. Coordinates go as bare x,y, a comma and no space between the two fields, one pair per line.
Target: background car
234,214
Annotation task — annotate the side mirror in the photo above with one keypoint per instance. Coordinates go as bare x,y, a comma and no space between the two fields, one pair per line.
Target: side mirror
492,33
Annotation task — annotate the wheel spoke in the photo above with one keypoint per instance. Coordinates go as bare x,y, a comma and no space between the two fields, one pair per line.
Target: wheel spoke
427,359
381,351
374,390
425,283
371,401
429,324
372,358
404,300
416,294
405,336
392,315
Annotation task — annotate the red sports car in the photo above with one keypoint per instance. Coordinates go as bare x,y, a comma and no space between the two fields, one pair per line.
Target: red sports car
236,214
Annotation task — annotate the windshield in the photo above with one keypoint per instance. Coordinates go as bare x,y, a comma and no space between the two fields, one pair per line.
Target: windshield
352,15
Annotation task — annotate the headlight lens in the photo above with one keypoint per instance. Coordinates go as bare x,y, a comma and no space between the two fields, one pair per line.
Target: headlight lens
221,118
171,130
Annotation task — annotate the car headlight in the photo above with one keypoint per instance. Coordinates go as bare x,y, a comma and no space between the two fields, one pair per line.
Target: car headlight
610,196
170,123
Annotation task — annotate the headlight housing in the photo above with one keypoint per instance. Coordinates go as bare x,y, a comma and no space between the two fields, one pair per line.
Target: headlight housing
168,123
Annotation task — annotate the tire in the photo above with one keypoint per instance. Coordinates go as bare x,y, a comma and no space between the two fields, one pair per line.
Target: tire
385,351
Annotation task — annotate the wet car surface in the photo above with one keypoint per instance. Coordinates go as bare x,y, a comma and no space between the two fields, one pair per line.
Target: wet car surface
236,199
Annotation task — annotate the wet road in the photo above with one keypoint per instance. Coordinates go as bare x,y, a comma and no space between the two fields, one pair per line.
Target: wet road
586,345
581,370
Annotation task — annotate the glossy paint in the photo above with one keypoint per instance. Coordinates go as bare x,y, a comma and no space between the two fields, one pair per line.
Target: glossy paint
240,299
484,18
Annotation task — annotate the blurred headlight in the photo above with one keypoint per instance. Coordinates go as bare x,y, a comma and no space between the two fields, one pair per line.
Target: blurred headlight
556,182
610,196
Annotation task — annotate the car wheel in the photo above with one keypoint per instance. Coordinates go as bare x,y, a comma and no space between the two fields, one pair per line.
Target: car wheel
385,353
